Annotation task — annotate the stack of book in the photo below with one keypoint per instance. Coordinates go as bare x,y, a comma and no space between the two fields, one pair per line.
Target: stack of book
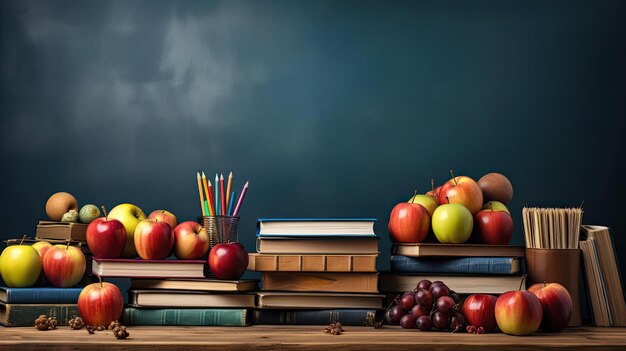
19,307
176,292
317,271
466,269
604,286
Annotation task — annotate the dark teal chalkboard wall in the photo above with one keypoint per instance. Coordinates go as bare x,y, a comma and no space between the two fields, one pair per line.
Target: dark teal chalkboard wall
328,108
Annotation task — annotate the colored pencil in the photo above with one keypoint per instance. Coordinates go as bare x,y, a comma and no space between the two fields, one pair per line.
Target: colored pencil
210,192
243,194
209,211
228,190
200,192
230,205
206,207
217,195
223,196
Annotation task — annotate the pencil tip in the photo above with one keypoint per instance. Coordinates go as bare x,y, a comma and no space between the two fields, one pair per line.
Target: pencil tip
221,177
231,174
247,183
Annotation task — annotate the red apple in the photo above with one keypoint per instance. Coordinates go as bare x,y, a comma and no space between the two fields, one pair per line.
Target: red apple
518,312
494,227
164,216
106,238
64,265
100,303
556,303
191,241
228,261
153,239
479,311
462,190
409,223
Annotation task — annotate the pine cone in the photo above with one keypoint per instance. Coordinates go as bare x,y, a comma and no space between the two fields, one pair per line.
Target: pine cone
120,332
76,323
44,322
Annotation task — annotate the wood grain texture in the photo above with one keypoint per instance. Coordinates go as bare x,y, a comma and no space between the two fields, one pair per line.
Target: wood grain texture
304,338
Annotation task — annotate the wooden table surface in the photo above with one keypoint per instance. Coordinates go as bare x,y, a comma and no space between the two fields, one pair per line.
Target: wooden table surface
304,338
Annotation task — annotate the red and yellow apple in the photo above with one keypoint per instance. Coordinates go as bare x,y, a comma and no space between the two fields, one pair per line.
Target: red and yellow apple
462,190
64,265
228,260
452,223
130,216
42,247
428,202
556,303
496,206
409,223
518,313
164,216
20,266
191,241
100,304
106,237
153,239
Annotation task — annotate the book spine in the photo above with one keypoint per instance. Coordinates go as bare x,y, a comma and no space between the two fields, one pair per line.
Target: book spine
450,265
42,295
25,315
352,317
192,316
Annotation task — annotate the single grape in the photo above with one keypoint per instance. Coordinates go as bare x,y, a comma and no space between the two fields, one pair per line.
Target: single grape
424,297
394,313
457,321
439,291
418,311
423,284
446,305
455,296
424,323
440,320
408,321
435,283
407,301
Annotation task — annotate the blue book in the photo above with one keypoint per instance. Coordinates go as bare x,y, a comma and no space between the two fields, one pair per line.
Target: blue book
352,317
39,295
315,227
458,265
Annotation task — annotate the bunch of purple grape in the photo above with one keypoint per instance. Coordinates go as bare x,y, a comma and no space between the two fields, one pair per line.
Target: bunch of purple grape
430,304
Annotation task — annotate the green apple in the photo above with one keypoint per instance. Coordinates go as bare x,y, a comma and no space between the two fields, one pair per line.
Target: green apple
130,215
20,266
452,223
428,202
495,206
88,213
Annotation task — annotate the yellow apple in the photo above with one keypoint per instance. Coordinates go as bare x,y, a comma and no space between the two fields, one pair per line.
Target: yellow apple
20,266
428,202
130,215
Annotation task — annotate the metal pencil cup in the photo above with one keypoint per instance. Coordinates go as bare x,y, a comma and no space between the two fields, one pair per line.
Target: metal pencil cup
221,229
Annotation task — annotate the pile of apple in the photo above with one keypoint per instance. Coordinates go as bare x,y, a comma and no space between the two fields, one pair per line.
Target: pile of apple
455,210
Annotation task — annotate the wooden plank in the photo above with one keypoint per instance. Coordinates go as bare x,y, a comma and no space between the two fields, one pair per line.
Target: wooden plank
304,338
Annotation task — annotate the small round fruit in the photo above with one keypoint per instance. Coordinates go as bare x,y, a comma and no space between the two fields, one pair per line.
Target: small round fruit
455,296
424,284
424,297
446,305
457,321
424,323
394,313
439,291
496,187
407,301
418,311
408,321
59,204
440,320
88,213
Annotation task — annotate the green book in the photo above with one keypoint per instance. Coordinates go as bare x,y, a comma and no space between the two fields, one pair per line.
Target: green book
224,317
23,315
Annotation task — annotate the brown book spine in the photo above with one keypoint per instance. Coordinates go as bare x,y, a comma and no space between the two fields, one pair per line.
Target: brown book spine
323,282
312,263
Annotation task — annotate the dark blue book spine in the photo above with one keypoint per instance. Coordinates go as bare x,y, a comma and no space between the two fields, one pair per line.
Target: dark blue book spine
457,265
351,317
42,295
